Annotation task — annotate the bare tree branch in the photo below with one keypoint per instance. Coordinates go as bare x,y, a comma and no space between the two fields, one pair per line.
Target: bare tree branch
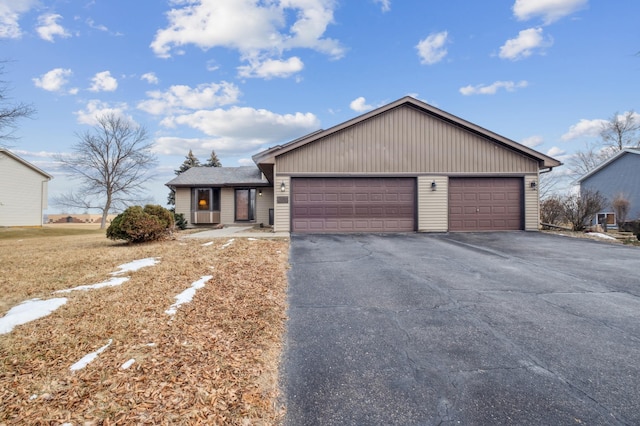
10,112
112,162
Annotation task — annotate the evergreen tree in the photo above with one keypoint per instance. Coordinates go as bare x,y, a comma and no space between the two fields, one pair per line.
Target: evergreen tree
213,160
189,162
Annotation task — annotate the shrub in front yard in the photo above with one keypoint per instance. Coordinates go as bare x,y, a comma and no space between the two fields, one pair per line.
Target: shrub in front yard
579,208
137,224
551,210
181,222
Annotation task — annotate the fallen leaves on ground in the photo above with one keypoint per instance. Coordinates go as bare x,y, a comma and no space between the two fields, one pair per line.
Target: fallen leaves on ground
214,362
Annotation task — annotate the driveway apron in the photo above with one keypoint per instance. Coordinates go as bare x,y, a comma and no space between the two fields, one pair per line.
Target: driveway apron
493,328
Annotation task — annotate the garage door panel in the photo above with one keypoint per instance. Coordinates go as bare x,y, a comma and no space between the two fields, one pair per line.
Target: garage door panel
353,204
485,204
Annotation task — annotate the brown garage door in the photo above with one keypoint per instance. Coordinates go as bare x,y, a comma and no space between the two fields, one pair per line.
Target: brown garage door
353,204
485,204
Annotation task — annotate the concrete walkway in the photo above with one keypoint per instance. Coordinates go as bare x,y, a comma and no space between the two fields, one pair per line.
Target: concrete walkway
238,232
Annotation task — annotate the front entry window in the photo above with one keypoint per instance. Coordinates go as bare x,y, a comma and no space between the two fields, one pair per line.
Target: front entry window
245,204
204,199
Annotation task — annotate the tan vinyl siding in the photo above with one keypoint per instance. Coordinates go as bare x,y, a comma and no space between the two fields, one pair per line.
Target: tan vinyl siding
183,203
264,202
404,140
432,205
227,206
282,210
531,204
23,193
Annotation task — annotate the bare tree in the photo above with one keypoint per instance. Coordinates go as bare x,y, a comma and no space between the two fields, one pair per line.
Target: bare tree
579,208
112,162
621,131
582,162
621,206
10,112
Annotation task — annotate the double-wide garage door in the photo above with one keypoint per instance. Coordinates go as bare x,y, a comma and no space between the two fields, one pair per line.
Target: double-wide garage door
485,204
353,204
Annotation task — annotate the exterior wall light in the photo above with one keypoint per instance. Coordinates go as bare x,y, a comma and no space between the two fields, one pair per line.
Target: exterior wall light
283,187
533,185
259,192
433,185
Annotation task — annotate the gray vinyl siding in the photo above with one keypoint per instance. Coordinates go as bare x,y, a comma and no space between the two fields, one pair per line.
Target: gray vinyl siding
531,204
23,194
433,205
282,210
227,206
622,177
264,202
404,140
183,203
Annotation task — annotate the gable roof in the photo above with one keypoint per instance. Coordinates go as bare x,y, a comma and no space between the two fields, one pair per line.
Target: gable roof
10,154
219,176
609,161
268,156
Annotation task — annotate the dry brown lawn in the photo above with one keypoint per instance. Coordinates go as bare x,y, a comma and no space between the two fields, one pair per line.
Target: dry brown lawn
214,362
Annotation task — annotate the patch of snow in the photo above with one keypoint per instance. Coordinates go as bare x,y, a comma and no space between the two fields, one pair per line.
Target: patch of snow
599,235
207,244
28,311
187,295
136,264
34,396
85,360
252,239
127,364
151,344
110,283
227,244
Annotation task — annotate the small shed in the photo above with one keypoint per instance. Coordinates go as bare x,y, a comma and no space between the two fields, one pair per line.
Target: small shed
23,191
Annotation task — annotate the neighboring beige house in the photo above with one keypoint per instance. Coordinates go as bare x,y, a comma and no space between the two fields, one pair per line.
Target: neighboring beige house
404,167
23,191
78,218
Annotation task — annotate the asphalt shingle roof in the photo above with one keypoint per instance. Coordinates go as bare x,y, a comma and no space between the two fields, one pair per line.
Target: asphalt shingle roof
219,176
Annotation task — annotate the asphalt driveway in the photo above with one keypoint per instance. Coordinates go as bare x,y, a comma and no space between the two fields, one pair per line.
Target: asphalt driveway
492,328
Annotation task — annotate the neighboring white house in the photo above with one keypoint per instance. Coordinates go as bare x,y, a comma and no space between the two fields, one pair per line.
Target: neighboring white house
23,191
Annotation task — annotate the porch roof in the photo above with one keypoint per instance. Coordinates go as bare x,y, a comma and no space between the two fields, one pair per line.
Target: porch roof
219,176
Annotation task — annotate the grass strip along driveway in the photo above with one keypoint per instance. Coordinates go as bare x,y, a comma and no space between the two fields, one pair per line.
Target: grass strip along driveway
191,337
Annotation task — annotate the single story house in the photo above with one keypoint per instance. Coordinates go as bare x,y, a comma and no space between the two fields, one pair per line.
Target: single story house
617,176
406,166
23,191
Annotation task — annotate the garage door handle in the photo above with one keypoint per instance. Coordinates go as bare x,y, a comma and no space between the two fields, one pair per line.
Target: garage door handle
477,210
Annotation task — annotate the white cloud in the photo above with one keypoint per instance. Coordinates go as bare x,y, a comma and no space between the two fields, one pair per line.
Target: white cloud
532,141
555,151
54,80
95,108
523,46
384,4
236,130
150,78
271,68
103,82
431,50
48,27
181,98
10,11
257,30
92,24
246,162
549,10
492,89
584,128
360,105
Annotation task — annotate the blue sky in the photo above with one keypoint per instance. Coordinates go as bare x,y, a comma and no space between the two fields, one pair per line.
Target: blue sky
239,76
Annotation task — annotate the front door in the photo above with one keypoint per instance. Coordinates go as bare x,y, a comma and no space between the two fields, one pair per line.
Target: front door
245,204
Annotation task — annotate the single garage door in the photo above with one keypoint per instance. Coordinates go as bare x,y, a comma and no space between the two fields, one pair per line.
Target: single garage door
353,204
485,204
